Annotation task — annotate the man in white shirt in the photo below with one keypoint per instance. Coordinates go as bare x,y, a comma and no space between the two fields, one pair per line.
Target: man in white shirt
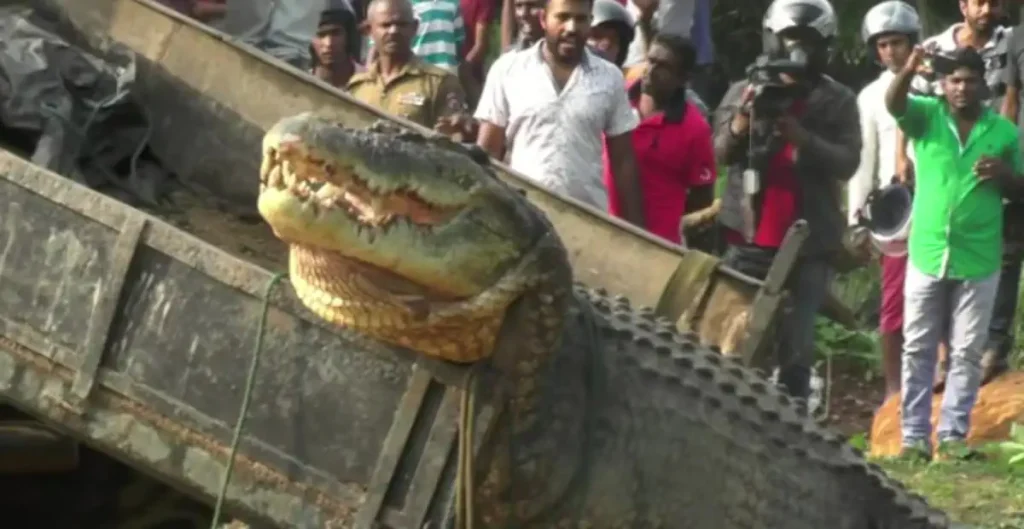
549,107
890,31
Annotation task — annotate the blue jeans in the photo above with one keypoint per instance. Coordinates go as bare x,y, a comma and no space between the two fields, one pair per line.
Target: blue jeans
929,302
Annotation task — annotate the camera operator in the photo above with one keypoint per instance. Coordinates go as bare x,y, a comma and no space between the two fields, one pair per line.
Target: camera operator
794,170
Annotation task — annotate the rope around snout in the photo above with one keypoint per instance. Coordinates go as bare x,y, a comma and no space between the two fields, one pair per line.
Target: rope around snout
250,380
464,493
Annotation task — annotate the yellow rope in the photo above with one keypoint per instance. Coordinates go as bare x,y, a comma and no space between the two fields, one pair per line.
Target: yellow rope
464,500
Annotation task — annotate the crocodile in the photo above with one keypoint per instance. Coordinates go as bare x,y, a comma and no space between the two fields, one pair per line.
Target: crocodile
415,242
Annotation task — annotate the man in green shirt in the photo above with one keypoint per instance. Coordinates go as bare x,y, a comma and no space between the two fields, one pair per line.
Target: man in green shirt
968,159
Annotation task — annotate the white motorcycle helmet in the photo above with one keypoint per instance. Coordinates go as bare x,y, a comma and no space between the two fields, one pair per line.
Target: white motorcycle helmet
889,17
886,214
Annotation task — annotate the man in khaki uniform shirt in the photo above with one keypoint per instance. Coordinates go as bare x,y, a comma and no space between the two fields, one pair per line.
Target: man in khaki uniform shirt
397,81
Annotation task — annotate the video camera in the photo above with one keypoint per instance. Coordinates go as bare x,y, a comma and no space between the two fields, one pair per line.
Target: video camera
772,94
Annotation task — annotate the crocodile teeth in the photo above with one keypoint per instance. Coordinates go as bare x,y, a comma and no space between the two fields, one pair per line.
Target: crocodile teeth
288,172
274,178
302,190
329,192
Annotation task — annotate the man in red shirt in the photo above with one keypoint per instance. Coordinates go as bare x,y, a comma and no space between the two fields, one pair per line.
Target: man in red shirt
674,152
476,15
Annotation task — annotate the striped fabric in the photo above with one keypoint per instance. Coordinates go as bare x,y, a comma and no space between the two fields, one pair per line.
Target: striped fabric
441,32
994,53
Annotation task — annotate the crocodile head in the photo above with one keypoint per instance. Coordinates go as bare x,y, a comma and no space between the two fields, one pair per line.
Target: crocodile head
405,239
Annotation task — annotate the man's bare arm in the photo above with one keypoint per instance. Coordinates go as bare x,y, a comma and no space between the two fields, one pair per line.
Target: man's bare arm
475,55
491,138
508,23
731,125
1011,77
622,160
904,167
645,22
1011,103
206,11
897,94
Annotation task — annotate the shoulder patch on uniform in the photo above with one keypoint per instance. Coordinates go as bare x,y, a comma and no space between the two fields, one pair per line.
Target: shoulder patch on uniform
453,102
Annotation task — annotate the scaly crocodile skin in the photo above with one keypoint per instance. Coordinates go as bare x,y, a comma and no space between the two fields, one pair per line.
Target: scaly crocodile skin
612,418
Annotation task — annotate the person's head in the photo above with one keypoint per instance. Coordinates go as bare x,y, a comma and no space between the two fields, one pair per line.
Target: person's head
981,15
800,29
333,33
964,85
566,26
611,30
670,61
392,25
528,14
890,31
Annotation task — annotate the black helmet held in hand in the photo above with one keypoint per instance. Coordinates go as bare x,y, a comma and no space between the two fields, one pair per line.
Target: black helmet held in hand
886,214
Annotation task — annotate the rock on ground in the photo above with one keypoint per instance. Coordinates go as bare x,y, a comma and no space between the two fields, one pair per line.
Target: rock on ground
1000,404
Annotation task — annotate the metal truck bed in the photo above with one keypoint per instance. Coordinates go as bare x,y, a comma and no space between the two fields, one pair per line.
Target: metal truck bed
126,332
134,333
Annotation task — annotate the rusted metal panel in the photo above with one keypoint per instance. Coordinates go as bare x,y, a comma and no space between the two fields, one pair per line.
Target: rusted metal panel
105,309
174,351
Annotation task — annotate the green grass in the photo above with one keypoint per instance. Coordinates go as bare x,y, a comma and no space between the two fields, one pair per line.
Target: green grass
986,494
983,495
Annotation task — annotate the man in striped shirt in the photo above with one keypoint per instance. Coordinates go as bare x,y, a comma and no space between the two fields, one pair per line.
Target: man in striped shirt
440,34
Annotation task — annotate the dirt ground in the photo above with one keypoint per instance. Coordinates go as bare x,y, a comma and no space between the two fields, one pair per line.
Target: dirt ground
853,399
242,234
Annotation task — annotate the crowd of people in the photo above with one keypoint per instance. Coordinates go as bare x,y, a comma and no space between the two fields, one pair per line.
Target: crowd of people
599,100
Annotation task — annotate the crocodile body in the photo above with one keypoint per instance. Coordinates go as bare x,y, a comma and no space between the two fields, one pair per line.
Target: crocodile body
612,418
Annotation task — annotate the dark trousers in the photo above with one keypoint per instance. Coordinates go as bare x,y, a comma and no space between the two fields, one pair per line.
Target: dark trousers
808,284
1000,330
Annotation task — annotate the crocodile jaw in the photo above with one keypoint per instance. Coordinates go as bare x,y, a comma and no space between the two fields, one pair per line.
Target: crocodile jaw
427,258
318,190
